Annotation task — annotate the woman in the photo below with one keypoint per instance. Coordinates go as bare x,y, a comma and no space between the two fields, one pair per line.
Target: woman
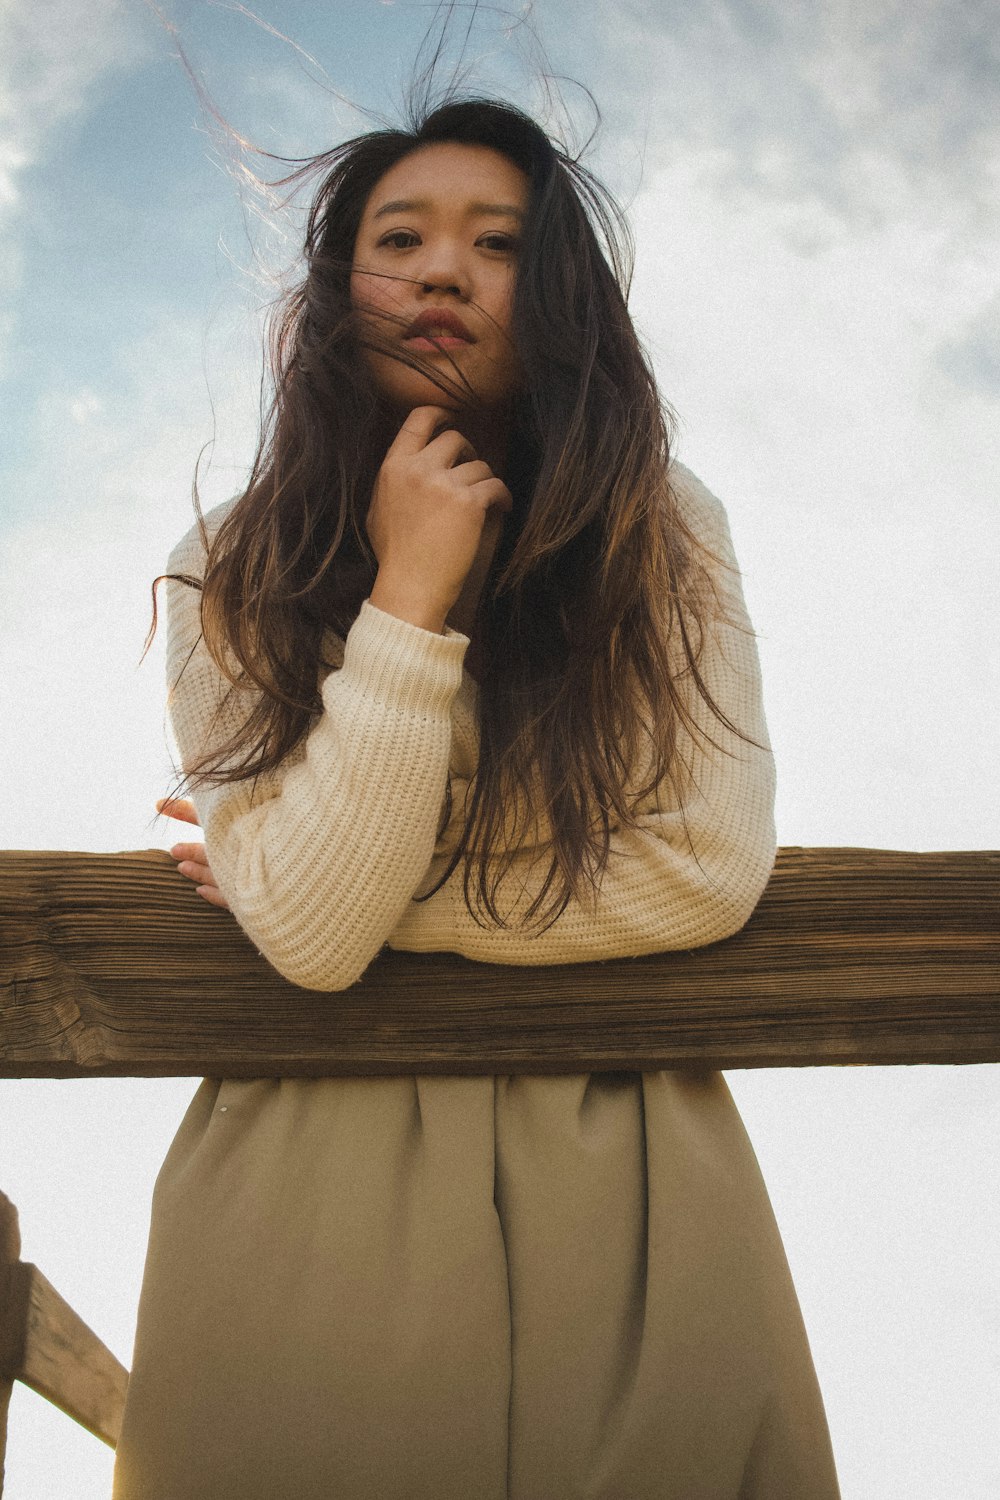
467,667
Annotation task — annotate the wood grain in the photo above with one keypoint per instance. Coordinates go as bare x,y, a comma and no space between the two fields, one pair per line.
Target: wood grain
110,964
67,1363
49,1347
12,1314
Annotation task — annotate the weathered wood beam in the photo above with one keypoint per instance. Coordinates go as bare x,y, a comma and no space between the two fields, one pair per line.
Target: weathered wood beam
64,1360
49,1347
112,965
11,1314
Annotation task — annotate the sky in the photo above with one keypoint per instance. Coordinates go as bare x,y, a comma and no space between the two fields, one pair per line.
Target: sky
812,191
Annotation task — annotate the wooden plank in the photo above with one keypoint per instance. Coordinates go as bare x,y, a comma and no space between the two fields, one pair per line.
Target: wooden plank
64,1361
12,1314
49,1347
112,965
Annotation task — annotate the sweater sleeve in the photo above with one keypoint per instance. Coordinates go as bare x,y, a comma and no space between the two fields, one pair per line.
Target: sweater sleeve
319,860
693,869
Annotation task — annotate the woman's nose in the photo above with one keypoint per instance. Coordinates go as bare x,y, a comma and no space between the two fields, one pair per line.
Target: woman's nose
443,285
442,270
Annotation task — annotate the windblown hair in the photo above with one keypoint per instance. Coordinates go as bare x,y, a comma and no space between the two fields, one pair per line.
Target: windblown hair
596,574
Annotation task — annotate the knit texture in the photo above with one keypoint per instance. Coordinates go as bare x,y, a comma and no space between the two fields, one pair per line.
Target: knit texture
320,863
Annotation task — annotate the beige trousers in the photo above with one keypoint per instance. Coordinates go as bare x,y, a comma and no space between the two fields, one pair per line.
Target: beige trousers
562,1288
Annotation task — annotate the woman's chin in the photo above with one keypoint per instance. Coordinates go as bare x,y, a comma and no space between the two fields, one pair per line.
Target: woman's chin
405,395
434,397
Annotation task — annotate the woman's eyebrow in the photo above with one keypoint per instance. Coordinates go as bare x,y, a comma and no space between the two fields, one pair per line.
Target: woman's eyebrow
419,205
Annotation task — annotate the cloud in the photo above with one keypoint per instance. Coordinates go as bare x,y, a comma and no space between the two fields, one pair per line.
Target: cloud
54,56
860,473
972,357
108,494
53,59
851,113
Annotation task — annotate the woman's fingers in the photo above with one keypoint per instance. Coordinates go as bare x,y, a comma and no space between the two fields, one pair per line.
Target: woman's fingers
484,485
204,881
190,851
213,896
192,861
193,865
427,518
180,808
200,873
449,449
419,428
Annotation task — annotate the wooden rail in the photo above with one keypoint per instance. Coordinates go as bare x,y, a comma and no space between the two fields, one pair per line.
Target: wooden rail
45,1344
112,965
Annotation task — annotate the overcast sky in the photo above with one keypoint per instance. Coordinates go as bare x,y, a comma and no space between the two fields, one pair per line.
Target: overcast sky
813,191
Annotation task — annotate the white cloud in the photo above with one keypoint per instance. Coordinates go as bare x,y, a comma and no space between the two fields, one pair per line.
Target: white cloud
845,113
816,280
85,754
861,482
12,160
970,356
53,58
84,406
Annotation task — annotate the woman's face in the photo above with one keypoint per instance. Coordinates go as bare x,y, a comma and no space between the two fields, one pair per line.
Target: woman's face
435,262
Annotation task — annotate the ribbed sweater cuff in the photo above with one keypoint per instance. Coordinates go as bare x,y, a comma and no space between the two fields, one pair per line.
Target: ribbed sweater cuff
401,665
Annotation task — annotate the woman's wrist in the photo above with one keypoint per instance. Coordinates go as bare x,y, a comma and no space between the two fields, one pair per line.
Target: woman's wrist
397,597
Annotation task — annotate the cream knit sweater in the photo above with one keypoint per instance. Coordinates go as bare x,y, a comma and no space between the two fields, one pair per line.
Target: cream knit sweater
319,865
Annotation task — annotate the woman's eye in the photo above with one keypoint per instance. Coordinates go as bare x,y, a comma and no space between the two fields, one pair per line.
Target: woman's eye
399,239
505,242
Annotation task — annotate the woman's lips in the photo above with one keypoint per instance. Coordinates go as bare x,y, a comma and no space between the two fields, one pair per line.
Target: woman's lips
437,328
428,344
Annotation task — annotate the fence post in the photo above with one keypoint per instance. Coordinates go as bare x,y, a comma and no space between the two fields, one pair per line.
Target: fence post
13,1314
50,1349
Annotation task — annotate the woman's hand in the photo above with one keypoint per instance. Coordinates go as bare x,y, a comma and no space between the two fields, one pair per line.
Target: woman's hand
191,857
427,516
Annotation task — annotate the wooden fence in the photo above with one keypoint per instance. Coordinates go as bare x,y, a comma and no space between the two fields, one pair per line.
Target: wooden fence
45,1344
111,965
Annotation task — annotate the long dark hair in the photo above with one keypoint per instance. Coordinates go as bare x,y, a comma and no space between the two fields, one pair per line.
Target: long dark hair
599,593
